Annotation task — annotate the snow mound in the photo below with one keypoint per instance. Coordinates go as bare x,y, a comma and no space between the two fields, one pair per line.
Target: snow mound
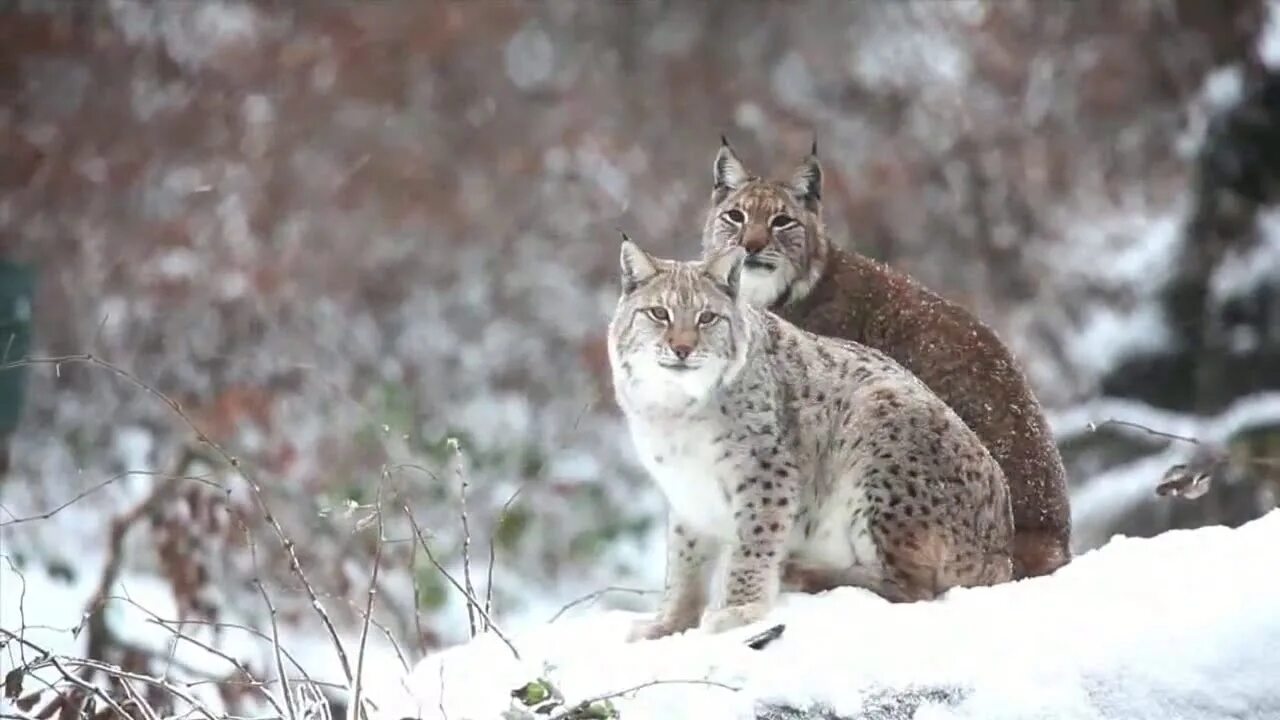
1184,625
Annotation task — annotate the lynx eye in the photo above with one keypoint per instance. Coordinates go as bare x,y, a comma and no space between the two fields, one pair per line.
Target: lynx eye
658,314
706,317
735,216
780,222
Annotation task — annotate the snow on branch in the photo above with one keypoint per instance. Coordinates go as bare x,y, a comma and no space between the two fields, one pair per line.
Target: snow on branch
1101,499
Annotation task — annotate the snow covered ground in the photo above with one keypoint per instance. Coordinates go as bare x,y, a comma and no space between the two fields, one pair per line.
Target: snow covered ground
1184,625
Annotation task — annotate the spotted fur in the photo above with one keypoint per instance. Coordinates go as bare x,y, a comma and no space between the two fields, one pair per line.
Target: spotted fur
795,271
777,448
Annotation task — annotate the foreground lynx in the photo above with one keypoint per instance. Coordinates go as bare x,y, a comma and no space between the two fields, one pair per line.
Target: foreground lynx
794,269
778,447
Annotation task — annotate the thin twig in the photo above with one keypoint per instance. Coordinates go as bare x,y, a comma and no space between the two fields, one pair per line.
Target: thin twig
470,598
493,534
275,631
259,497
419,639
88,687
578,708
265,638
355,712
444,714
114,478
1094,427
591,596
22,609
239,666
118,673
461,475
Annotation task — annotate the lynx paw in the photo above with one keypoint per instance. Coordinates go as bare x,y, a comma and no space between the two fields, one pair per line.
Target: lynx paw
657,628
734,616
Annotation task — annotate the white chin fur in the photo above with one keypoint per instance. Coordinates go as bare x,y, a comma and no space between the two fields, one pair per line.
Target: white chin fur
761,287
656,386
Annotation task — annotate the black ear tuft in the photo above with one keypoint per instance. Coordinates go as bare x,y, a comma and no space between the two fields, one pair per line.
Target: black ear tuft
729,173
637,265
806,182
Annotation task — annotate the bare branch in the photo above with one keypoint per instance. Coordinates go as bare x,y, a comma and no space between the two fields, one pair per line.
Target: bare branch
582,706
461,475
355,711
1094,427
99,486
275,630
592,596
502,517
231,460
470,597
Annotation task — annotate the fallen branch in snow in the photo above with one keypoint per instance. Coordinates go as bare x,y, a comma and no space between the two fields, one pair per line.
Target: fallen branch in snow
541,697
577,710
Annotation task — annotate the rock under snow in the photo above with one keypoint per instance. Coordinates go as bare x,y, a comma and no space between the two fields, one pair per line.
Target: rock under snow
1184,625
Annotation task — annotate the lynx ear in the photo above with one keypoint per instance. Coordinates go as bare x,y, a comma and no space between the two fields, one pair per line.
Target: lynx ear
725,267
729,171
806,182
637,265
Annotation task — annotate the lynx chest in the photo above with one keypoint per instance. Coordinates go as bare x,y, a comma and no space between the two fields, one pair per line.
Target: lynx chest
695,468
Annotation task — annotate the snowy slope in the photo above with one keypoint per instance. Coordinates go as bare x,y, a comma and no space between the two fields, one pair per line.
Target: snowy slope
1185,625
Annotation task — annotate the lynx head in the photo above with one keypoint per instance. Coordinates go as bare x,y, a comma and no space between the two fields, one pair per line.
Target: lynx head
678,330
777,223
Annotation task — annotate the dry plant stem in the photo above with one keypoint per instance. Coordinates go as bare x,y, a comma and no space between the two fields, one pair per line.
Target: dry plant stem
461,475
470,597
440,698
419,638
595,595
113,479
261,636
355,711
380,627
233,461
609,696
244,671
1260,462
1144,428
88,687
60,663
119,674
488,581
275,631
22,611
138,701
100,635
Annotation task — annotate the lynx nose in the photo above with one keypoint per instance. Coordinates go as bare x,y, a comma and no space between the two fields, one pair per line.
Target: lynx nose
682,350
754,240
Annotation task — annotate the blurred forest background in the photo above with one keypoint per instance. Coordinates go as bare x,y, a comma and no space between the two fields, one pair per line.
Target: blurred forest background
340,234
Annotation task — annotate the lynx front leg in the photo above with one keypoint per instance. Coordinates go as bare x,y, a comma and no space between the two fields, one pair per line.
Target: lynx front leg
753,571
688,557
